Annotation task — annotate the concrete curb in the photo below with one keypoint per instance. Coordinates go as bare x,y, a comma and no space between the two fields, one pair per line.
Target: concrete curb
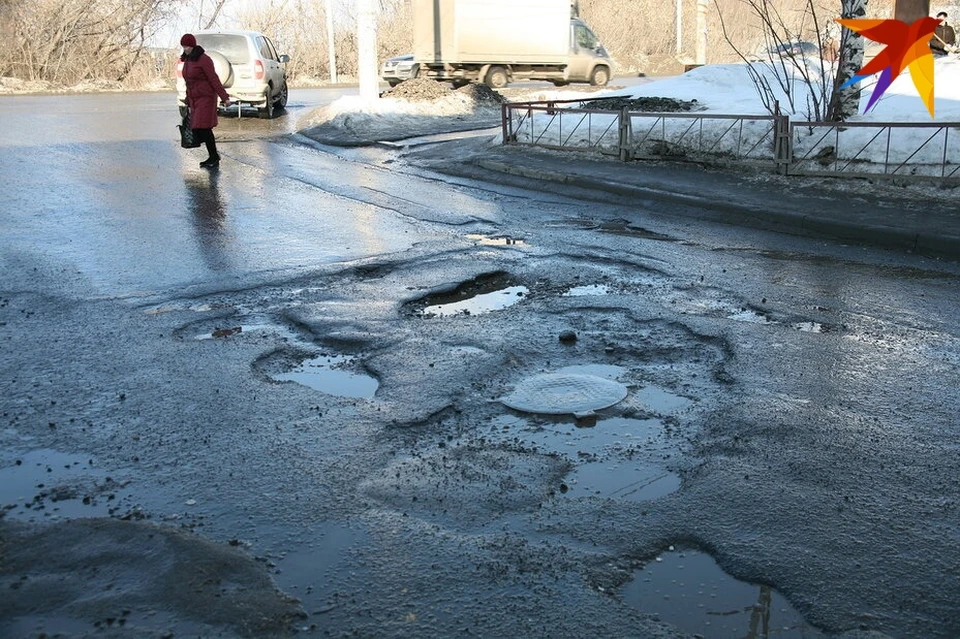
730,212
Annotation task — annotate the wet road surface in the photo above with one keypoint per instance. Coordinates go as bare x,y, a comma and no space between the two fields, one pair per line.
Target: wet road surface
300,359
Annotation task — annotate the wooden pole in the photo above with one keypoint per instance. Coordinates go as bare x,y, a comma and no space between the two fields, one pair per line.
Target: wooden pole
367,51
331,43
701,32
911,10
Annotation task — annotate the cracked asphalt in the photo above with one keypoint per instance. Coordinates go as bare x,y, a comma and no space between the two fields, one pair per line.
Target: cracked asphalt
167,469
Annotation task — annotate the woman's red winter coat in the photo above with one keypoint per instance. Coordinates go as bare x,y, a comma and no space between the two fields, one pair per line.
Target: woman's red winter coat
203,89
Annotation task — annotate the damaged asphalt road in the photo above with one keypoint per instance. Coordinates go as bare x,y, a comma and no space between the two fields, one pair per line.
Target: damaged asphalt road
290,422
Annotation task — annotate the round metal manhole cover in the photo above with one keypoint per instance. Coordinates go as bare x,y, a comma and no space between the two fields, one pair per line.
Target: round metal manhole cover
564,393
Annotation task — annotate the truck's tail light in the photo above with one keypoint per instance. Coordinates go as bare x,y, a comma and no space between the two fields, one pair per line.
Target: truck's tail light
180,69
258,70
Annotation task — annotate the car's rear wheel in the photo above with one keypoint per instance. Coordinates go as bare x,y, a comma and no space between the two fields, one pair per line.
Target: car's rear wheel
266,111
282,97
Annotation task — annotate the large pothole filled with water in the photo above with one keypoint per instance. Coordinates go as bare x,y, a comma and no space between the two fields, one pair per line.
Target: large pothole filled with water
50,485
690,591
483,294
330,373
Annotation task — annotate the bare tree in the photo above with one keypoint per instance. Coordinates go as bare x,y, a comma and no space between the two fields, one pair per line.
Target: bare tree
212,20
782,62
66,41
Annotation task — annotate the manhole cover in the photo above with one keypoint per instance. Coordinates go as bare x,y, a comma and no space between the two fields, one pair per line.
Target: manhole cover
564,393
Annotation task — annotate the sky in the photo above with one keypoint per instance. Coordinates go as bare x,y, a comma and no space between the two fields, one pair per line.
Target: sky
728,89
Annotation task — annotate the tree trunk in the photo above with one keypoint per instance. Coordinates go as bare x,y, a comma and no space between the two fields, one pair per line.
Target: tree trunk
845,102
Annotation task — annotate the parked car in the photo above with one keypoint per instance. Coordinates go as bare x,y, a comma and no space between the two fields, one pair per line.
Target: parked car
799,49
249,67
396,70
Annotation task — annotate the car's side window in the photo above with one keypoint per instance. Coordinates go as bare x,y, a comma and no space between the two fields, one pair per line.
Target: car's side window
273,50
264,48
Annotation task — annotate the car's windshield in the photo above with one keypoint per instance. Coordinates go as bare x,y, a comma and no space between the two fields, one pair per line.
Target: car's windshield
233,47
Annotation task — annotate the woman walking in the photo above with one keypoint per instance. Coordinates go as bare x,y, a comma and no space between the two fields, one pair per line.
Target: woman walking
203,89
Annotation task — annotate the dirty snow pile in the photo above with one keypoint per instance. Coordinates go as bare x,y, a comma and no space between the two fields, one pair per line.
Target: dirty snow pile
413,108
409,100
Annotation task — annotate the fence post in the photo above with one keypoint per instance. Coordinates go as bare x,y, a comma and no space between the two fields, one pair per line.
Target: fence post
504,118
782,143
626,135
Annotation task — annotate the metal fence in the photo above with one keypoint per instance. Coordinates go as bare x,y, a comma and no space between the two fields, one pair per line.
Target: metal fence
872,149
836,149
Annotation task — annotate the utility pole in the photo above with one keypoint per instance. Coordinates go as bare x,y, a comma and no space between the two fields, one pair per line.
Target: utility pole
910,10
701,32
679,27
367,51
331,44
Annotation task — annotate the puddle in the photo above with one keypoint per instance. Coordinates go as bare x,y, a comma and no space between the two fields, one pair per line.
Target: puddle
689,590
810,327
249,329
658,400
47,485
478,304
748,315
497,240
315,570
608,371
588,289
619,458
328,374
652,398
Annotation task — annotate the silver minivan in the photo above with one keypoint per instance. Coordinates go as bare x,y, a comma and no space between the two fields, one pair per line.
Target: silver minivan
249,67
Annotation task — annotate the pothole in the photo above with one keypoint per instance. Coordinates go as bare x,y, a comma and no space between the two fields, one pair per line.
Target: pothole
331,374
582,224
588,290
48,485
618,458
479,304
623,227
483,294
258,329
496,240
689,590
812,327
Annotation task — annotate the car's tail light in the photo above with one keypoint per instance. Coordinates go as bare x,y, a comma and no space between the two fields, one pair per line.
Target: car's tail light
258,69
180,69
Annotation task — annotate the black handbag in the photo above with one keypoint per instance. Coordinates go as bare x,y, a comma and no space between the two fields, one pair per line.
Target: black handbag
187,139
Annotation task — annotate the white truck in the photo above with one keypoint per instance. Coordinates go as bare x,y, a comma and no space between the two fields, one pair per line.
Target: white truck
499,41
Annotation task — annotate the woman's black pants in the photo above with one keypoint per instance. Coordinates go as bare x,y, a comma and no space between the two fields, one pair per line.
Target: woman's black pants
206,136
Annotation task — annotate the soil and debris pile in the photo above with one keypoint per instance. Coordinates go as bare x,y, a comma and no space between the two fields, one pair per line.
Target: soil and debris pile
482,94
418,90
426,90
650,104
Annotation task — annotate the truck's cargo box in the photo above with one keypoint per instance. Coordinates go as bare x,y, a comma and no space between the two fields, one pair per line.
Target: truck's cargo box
491,31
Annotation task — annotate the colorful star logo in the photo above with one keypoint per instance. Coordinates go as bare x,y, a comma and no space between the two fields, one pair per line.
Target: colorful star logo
908,45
